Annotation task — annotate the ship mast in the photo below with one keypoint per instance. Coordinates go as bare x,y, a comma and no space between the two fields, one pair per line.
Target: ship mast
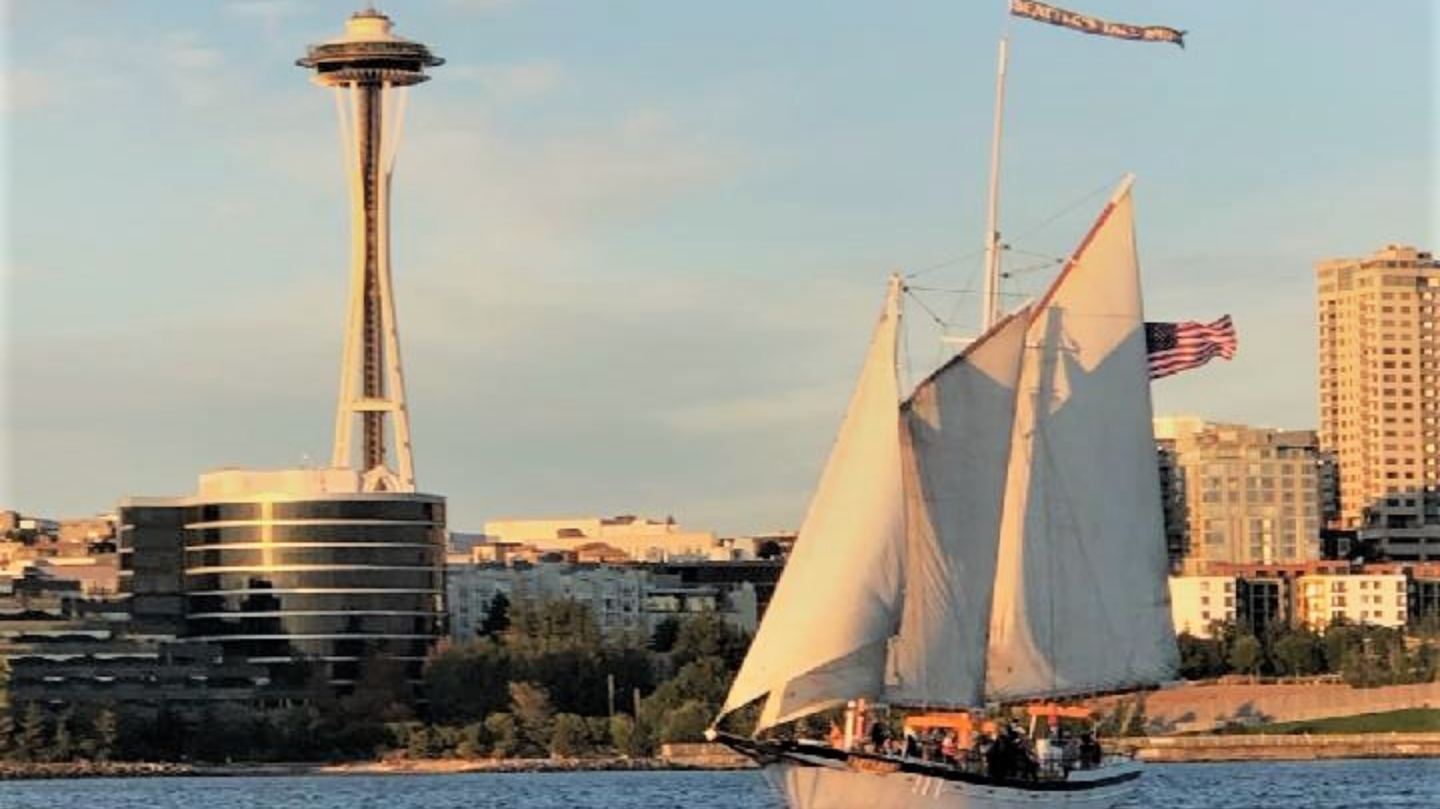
991,305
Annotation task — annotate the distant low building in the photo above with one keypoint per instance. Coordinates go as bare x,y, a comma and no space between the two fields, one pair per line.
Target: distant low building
627,598
1378,599
641,539
1199,602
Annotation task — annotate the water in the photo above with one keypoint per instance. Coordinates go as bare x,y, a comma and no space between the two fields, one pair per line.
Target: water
1412,784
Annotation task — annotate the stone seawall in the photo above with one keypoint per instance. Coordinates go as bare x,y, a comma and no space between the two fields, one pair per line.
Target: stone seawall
1266,747
1199,708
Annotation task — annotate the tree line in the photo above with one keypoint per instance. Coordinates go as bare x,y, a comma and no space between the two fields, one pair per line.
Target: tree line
1362,655
541,680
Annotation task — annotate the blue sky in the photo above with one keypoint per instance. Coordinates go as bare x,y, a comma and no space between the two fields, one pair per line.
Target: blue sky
639,244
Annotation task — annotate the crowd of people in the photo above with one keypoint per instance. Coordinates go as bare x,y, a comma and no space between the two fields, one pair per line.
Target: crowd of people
1003,751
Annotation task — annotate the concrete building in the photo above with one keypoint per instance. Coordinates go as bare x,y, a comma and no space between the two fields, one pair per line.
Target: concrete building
276,566
1379,599
640,538
1248,495
623,598
1425,592
1198,602
1380,395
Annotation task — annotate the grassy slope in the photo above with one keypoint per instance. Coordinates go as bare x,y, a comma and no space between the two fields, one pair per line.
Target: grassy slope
1411,720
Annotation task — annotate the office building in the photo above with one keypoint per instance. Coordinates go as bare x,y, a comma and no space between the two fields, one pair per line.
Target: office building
1380,395
1235,494
278,566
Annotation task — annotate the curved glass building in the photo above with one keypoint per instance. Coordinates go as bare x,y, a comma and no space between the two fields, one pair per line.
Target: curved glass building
279,567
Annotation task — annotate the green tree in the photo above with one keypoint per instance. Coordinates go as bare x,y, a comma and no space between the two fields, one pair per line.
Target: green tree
627,737
569,736
471,743
106,732
1247,655
666,633
62,745
467,682
504,733
1298,653
686,723
7,733
1200,658
534,716
424,741
497,617
709,636
30,742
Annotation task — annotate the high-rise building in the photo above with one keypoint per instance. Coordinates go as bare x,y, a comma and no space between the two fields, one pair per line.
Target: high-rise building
299,568
1241,495
1380,395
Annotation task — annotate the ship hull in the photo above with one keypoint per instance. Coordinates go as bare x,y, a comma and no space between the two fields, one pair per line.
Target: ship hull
814,777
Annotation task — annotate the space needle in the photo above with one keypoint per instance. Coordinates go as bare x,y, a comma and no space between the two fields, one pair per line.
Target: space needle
371,69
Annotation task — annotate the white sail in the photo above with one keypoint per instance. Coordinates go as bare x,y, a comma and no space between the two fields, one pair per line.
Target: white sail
823,638
1080,598
957,431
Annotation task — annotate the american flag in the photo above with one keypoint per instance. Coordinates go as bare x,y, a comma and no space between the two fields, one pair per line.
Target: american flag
1176,347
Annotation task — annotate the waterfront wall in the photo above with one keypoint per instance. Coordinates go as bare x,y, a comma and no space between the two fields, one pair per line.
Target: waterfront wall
1266,747
1204,707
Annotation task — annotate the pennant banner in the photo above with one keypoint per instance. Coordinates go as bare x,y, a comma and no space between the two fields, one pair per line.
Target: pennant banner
1094,25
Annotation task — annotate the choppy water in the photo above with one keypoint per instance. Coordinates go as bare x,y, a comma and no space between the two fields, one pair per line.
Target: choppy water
1413,784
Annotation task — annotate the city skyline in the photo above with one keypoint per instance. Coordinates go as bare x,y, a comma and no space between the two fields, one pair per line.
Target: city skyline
635,288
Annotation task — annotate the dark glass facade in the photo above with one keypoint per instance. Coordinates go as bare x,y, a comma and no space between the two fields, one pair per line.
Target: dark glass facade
328,580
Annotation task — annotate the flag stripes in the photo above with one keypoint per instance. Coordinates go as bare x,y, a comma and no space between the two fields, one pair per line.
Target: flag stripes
1176,347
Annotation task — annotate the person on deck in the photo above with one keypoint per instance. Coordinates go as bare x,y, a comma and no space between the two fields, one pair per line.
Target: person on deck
879,734
1090,752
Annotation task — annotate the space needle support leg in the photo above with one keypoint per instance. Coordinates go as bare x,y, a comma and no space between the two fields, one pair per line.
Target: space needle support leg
390,144
346,110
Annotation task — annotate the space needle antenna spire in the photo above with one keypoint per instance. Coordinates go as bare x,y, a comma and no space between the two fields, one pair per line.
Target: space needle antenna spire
370,69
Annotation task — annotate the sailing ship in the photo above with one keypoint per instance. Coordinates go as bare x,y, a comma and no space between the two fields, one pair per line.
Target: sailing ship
993,538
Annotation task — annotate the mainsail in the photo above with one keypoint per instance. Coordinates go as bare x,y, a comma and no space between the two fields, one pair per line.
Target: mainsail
824,637
1080,598
957,430
998,536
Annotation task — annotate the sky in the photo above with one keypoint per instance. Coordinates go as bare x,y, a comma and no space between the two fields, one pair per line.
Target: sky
639,245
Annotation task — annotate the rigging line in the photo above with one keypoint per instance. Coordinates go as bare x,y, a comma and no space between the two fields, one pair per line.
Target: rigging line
962,291
931,312
1068,209
949,262
1029,268
1012,249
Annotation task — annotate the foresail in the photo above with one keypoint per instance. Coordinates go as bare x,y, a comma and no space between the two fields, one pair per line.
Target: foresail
836,603
956,433
1080,597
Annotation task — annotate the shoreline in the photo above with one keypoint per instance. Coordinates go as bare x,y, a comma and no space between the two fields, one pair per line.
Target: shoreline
30,771
1154,750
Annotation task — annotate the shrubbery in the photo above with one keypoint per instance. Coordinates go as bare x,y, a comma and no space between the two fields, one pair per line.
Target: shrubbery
542,681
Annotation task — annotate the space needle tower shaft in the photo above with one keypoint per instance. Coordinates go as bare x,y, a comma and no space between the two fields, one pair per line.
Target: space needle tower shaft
370,68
